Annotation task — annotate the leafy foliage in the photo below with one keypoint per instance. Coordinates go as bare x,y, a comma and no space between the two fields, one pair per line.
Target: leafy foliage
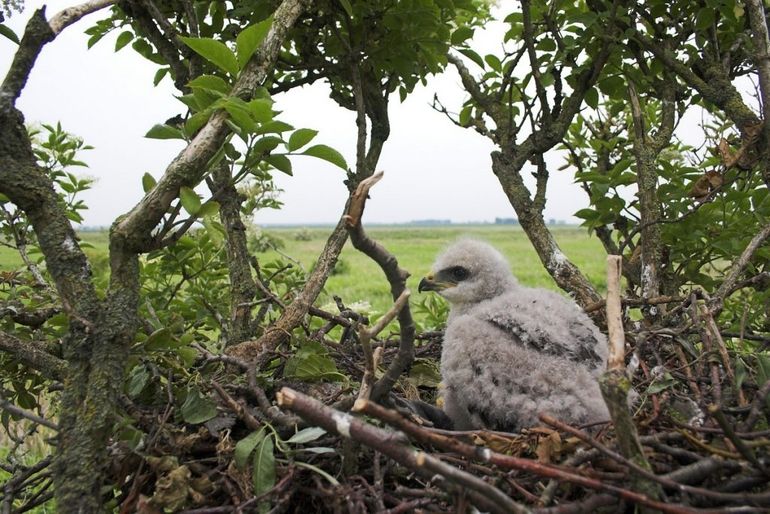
605,83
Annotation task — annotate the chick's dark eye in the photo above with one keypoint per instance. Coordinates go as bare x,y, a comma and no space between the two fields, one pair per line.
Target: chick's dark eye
458,273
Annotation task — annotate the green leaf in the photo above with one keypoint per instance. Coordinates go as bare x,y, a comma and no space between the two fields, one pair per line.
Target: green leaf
465,115
546,45
124,38
311,362
280,162
318,470
137,380
162,72
300,138
148,182
215,52
187,354
473,56
196,121
249,39
261,109
265,145
425,372
263,472
662,384
241,118
190,200
209,208
327,153
8,33
461,34
592,98
158,340
348,8
306,435
494,62
210,83
274,127
197,408
245,446
705,18
159,131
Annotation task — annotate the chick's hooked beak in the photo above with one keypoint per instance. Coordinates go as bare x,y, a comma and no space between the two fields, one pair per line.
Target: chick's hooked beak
430,283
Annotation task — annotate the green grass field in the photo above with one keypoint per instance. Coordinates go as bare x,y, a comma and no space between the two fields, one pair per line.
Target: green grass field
358,279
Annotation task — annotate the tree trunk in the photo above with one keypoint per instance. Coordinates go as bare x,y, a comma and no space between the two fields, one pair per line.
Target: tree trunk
564,272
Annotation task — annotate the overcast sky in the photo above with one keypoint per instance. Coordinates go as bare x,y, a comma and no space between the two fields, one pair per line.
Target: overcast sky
433,169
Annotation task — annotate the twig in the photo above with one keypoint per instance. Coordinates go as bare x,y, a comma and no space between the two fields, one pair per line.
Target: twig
396,278
757,405
239,410
635,302
712,327
392,445
717,300
18,411
697,318
754,499
740,445
468,451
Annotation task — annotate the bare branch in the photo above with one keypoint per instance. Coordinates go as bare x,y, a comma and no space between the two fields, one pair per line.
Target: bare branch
617,338
358,199
392,444
18,411
70,15
34,355
727,287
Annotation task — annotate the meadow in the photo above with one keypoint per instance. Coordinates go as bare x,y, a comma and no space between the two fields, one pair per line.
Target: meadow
358,280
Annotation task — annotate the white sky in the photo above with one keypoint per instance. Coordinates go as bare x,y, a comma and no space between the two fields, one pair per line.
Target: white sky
433,169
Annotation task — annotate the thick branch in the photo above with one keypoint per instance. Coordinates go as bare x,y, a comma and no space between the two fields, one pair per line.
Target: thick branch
615,386
646,154
189,167
70,15
758,23
243,288
34,355
37,33
715,87
397,280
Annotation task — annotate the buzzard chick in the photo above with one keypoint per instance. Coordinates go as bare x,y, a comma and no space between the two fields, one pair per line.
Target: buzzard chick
511,352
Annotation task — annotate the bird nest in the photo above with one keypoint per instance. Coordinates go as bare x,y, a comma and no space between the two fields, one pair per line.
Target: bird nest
698,443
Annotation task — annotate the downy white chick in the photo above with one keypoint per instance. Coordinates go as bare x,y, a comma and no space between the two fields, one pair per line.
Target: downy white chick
511,352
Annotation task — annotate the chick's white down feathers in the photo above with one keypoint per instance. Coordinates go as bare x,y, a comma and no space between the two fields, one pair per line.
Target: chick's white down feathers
511,352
